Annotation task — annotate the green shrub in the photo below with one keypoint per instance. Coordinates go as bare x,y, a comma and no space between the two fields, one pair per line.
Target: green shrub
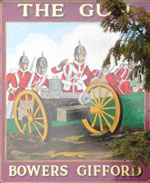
135,147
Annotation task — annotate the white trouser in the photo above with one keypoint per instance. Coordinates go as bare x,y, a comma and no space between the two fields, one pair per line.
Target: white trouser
9,109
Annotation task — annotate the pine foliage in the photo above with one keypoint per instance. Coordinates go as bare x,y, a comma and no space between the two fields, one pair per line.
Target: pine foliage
133,46
134,42
134,147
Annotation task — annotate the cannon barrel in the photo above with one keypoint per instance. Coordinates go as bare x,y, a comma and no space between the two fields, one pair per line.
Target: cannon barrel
55,92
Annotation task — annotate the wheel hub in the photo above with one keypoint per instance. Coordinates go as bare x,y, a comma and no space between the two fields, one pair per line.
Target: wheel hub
30,118
97,109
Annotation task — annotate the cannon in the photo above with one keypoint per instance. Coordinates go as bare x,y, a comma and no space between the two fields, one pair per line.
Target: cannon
99,109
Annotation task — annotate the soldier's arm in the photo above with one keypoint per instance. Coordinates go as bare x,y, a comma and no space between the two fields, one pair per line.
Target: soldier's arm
67,77
119,74
90,78
122,74
8,80
46,83
37,88
59,67
11,83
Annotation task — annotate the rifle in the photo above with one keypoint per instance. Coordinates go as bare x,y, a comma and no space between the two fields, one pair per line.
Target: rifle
32,65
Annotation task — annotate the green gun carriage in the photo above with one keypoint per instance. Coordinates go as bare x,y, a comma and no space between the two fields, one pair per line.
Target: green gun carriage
99,109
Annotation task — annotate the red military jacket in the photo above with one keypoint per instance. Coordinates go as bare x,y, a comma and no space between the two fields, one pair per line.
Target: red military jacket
31,80
119,79
97,73
122,73
12,82
75,77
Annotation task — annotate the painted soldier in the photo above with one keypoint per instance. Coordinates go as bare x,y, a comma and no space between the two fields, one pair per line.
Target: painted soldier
14,78
137,84
77,75
122,75
122,72
38,78
118,79
105,75
12,82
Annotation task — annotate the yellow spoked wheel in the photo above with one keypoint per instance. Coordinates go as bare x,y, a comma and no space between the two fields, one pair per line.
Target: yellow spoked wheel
105,109
29,114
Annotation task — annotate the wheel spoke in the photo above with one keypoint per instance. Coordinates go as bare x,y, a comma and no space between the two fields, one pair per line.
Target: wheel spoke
99,95
32,106
39,123
106,121
24,127
27,100
21,111
110,116
105,95
28,106
109,100
100,123
92,102
94,96
22,103
94,120
39,118
38,131
29,126
38,108
108,108
105,109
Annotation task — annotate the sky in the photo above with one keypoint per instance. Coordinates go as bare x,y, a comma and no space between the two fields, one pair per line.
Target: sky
57,41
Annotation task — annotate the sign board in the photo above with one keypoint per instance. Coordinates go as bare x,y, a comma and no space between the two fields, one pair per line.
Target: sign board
60,109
